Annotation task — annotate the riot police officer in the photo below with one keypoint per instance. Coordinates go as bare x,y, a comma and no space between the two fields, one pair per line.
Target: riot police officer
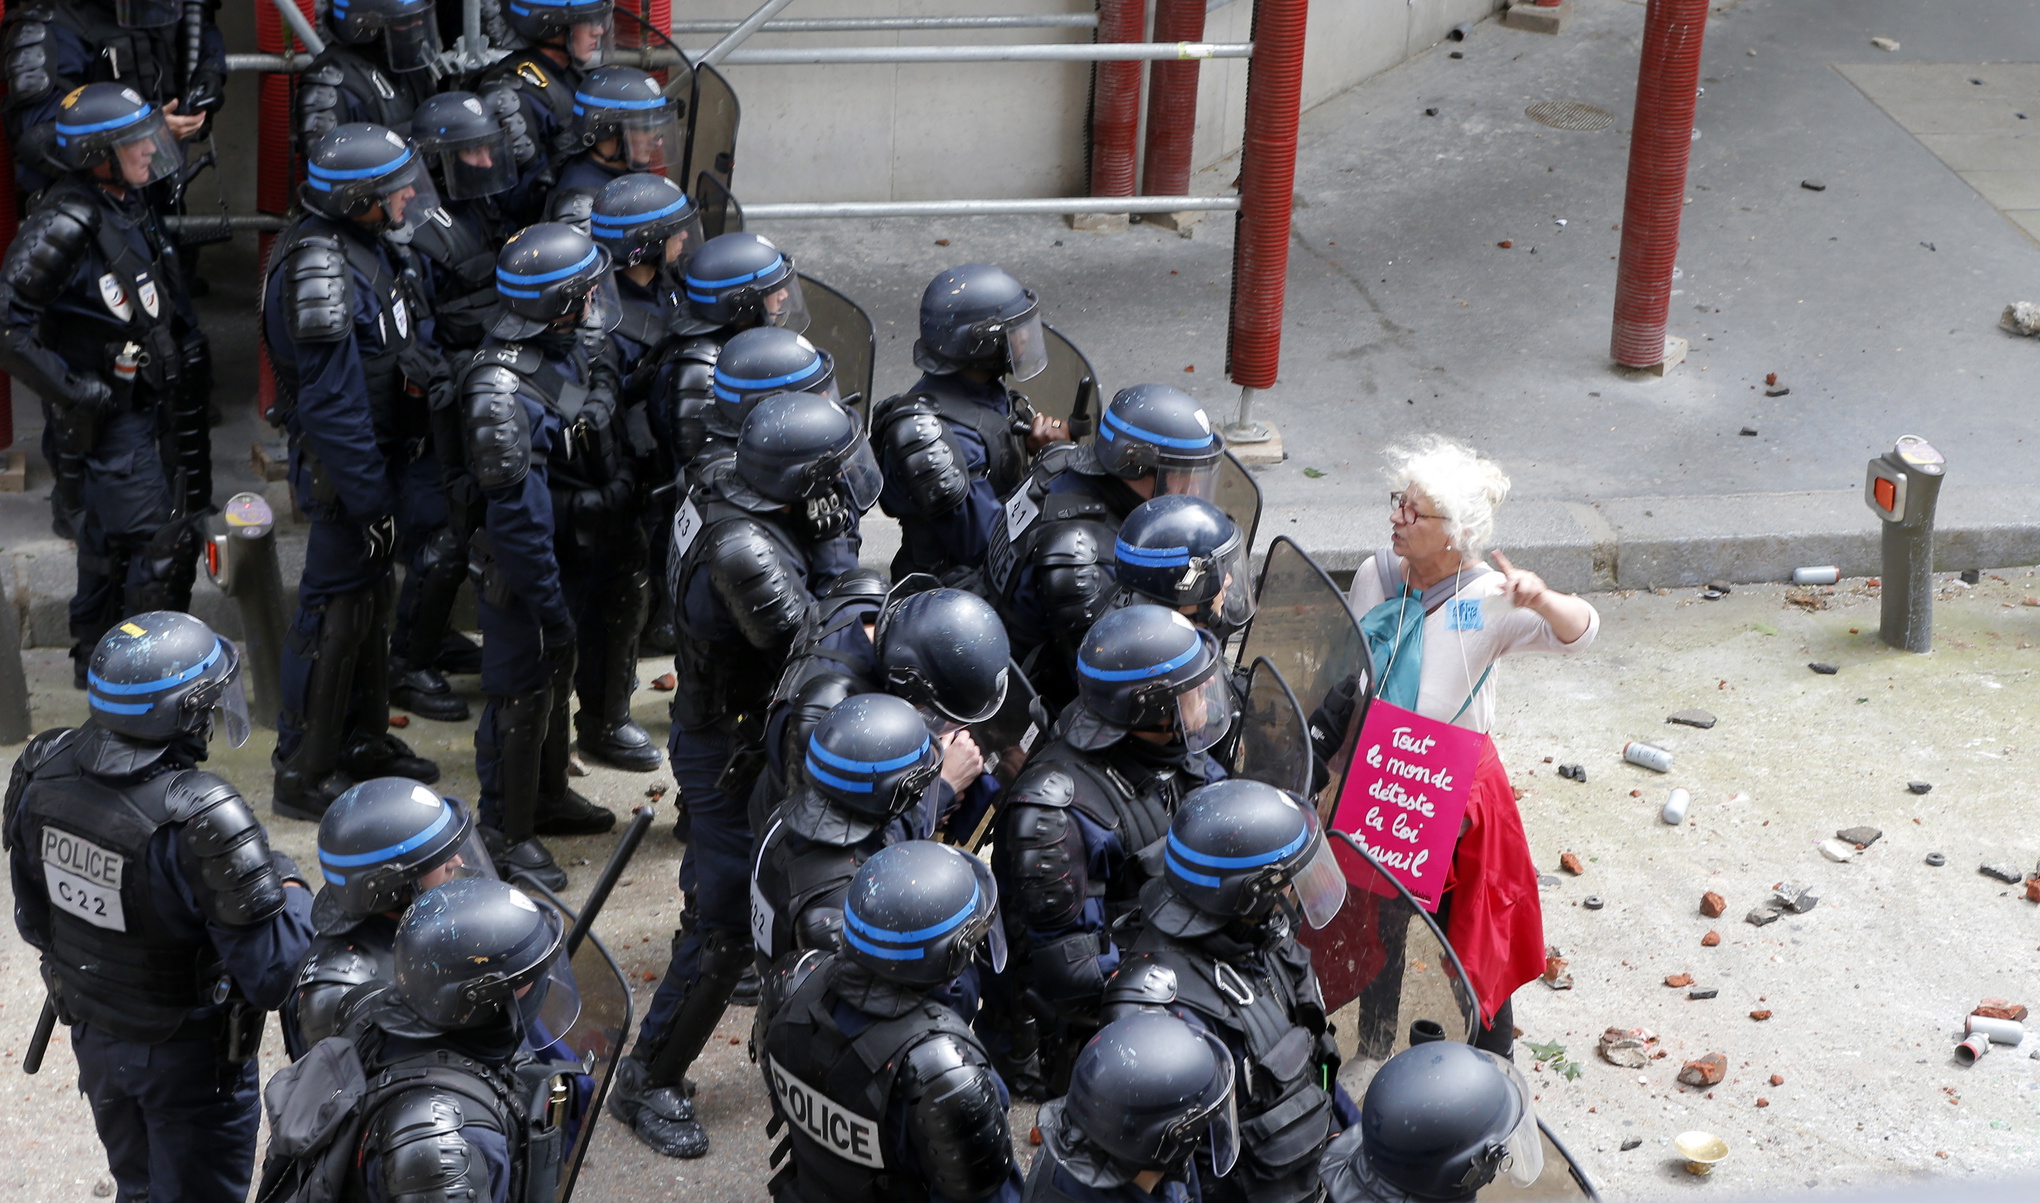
451,255
957,443
381,59
884,1092
562,40
1153,697
1149,1092
1049,564
1245,866
170,52
1183,552
539,407
752,539
1440,1121
96,321
354,383
455,1107
622,123
165,923
381,844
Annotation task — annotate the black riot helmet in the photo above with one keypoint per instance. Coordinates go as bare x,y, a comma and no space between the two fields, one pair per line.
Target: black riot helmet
978,316
585,30
409,31
759,362
550,272
1145,1093
1184,552
147,14
808,453
355,169
163,674
945,651
1159,431
111,123
1442,1119
917,912
869,760
638,216
464,949
627,105
1236,848
379,837
462,137
1145,668
742,280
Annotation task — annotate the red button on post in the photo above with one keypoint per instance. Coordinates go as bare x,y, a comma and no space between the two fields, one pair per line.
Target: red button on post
1887,494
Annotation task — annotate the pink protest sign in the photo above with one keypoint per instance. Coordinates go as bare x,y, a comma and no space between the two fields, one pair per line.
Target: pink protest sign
1404,797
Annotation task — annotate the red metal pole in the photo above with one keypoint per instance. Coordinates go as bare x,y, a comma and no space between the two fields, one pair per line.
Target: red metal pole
1172,102
1115,101
1253,347
1667,83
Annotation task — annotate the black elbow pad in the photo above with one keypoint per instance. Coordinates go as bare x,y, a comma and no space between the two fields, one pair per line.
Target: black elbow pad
226,851
957,1126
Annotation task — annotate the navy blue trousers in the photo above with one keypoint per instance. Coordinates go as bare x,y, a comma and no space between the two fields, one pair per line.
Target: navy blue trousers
715,872
171,1134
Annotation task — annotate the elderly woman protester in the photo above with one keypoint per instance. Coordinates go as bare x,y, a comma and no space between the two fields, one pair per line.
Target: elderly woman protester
1436,619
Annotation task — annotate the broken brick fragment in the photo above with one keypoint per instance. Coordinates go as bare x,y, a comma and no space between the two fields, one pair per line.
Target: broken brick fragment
1760,1016
2000,1008
664,682
1679,981
1713,905
2033,889
1705,1071
1777,1079
1571,864
1710,939
400,720
1763,1102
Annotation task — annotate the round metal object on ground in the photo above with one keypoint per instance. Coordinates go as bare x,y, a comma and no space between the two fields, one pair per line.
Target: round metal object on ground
1570,114
1594,902
1936,859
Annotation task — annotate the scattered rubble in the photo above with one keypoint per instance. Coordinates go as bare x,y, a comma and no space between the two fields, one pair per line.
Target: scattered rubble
2005,873
1861,837
1760,1016
1813,185
2021,317
1555,975
1691,718
1841,851
1713,905
1570,862
1710,939
1825,670
1919,787
1760,916
1629,1048
1701,993
1705,1071
1797,899
1679,981
664,682
400,720
1719,585
1777,1079
1593,902
1634,1142
1573,772
2000,1008
1888,45
1778,390
2033,889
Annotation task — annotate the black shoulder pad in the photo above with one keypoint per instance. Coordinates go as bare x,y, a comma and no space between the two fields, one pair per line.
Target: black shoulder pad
765,597
424,1155
28,57
785,978
919,446
1059,457
957,1127
316,291
33,757
53,239
1049,787
498,439
227,849
574,206
1143,980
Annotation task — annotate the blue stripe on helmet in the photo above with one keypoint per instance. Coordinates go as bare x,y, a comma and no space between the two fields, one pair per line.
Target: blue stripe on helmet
522,294
694,281
99,703
1189,874
1113,420
815,749
851,923
758,383
504,275
397,849
883,954
842,783
581,98
1141,674
101,685
1151,557
625,220
1238,862
356,173
73,131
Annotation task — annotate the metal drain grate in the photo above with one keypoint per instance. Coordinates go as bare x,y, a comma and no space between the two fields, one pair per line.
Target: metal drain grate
1570,114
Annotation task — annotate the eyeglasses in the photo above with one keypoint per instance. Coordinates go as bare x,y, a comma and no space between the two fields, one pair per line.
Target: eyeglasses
1402,510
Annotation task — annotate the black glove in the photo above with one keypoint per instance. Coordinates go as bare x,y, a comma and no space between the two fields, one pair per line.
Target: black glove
1328,723
89,395
556,641
381,534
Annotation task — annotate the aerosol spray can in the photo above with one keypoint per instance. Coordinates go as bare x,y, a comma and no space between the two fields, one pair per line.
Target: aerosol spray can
1650,756
125,365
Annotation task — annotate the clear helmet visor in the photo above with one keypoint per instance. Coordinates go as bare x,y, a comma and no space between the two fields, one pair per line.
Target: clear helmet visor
1205,711
1523,1150
1231,606
680,245
783,305
142,160
860,475
1320,884
591,42
649,141
412,42
1200,481
408,200
552,1005
485,167
230,713
1026,347
147,14
603,309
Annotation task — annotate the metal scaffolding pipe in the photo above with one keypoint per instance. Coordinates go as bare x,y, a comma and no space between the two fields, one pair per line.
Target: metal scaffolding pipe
273,63
300,27
899,24
1038,206
1054,52
742,33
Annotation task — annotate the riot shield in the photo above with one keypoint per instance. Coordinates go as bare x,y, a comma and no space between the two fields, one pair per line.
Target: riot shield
840,326
1008,736
1304,628
1239,495
1563,1178
1273,744
711,130
598,1034
1068,387
720,212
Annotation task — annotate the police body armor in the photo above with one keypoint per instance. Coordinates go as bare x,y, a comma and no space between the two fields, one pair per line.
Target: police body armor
689,393
386,96
95,802
134,292
346,961
1112,789
531,72
817,677
834,1091
911,426
1072,531
727,679
798,884
1264,1003
467,263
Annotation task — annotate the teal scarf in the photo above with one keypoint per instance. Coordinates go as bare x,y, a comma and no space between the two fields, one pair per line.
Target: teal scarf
1394,631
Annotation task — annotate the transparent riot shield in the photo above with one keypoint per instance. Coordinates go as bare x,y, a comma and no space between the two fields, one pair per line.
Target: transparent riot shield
839,326
598,1032
1563,1177
1304,628
720,212
1273,744
1239,495
1068,387
711,130
1007,737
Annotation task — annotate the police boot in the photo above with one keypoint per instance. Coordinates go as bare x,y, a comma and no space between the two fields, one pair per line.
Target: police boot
311,777
748,988
425,693
508,751
527,858
430,643
562,810
663,1117
458,655
724,956
608,735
